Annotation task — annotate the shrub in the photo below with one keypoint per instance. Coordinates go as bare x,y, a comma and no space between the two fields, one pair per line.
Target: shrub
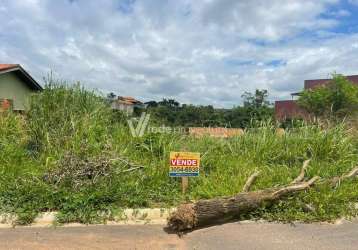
338,98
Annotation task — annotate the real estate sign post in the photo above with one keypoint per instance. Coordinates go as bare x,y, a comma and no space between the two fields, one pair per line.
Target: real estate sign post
184,165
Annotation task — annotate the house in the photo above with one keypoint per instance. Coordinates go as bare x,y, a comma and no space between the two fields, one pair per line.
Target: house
289,109
126,104
16,85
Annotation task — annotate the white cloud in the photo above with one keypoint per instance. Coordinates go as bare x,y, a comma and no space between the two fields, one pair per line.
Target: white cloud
261,19
206,52
340,13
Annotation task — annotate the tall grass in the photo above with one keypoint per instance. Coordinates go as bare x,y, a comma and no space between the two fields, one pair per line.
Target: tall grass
62,156
68,118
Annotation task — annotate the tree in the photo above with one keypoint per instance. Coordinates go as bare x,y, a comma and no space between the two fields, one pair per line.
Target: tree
256,106
257,100
169,103
111,96
172,113
151,104
338,98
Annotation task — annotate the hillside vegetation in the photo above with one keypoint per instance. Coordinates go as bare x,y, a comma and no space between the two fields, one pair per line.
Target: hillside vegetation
74,155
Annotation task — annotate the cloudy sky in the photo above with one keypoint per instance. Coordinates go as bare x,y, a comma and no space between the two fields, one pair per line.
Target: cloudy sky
201,52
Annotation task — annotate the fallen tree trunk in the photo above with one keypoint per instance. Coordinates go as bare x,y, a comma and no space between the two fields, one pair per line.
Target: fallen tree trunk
216,211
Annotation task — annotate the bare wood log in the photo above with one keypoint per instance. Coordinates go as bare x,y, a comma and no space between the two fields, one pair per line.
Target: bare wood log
219,210
301,176
250,181
215,211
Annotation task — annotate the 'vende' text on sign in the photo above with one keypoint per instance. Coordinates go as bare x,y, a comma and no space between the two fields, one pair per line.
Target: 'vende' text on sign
184,164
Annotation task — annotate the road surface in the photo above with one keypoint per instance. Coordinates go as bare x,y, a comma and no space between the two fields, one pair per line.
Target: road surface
229,236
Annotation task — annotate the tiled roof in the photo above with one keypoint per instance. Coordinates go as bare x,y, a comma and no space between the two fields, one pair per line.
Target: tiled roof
124,102
128,100
8,66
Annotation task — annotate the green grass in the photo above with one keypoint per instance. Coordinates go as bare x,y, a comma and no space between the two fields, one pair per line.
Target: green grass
48,160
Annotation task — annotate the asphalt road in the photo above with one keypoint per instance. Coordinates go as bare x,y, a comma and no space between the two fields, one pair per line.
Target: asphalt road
229,236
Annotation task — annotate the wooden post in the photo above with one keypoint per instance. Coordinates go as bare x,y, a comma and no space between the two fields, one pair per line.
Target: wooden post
184,183
280,132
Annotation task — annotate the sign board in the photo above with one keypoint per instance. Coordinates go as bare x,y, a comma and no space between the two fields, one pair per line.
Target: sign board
184,164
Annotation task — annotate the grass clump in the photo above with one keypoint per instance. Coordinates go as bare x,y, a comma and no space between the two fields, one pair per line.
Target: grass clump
72,154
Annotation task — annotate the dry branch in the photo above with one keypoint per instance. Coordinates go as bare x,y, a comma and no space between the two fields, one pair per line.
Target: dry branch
351,174
337,180
295,187
215,211
132,169
250,181
301,176
79,171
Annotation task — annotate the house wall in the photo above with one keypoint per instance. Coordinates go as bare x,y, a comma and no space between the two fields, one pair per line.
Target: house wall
11,87
311,84
128,108
288,110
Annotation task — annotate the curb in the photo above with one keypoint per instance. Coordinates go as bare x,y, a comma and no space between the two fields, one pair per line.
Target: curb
140,216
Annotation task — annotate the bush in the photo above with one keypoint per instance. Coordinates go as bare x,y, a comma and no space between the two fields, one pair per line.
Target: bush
337,99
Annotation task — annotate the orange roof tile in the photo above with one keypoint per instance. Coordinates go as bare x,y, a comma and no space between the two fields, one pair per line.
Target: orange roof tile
8,66
124,102
128,99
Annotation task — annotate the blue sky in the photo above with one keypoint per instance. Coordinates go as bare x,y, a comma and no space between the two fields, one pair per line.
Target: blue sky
201,52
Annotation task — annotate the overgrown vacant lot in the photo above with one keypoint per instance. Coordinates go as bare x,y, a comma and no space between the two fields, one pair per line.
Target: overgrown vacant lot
72,154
